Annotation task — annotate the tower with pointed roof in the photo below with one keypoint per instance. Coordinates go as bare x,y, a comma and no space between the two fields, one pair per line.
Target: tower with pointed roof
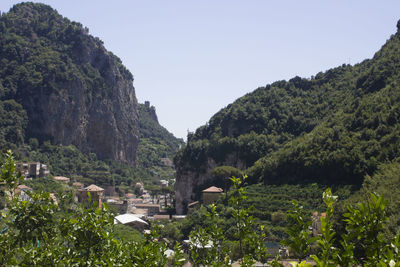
96,195
211,194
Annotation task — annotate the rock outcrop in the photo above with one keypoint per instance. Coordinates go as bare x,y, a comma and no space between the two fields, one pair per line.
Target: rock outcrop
74,91
189,182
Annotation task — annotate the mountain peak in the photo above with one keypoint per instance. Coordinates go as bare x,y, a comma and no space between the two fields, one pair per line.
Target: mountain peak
398,26
31,10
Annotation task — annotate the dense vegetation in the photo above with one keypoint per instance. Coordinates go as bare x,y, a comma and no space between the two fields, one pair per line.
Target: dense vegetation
39,232
334,128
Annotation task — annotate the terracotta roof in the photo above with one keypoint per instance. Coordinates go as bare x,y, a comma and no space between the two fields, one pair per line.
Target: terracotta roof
213,189
93,188
22,187
61,178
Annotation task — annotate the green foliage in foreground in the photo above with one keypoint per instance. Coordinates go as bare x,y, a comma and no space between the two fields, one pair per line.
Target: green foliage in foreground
40,233
248,236
363,243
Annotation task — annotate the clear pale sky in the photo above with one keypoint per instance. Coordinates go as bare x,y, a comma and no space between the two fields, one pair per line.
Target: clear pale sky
192,58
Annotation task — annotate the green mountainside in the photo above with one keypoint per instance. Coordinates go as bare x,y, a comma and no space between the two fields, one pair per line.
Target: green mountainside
156,143
334,128
59,84
69,103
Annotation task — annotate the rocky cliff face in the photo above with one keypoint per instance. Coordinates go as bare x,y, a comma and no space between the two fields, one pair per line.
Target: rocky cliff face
189,182
186,184
150,111
73,90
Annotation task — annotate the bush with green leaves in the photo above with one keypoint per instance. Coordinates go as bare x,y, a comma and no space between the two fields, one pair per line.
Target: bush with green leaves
209,244
38,232
363,242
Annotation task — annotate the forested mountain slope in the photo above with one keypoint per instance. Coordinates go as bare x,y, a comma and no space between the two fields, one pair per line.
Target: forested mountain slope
156,143
59,84
69,103
333,128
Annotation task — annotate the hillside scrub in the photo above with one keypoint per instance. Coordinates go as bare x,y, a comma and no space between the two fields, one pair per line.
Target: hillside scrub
333,128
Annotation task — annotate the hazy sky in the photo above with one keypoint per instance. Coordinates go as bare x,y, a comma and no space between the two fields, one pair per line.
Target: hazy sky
192,58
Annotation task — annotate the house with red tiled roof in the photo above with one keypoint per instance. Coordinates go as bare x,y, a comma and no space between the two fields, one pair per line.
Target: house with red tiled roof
96,194
62,179
211,194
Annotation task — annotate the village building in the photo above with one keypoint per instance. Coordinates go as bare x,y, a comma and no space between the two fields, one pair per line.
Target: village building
211,195
120,205
141,213
43,171
96,194
61,179
22,192
135,201
147,198
130,196
152,209
131,220
32,169
163,183
159,217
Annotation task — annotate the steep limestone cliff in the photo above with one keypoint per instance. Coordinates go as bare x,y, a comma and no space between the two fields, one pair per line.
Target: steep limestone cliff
73,90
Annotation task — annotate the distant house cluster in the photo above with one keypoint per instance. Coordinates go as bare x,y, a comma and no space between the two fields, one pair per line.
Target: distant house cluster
136,210
32,170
